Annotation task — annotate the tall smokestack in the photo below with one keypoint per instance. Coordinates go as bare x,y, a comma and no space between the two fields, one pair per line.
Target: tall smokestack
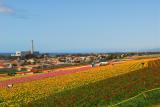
32,50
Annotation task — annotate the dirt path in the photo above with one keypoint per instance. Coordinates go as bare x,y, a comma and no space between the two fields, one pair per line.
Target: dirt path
5,83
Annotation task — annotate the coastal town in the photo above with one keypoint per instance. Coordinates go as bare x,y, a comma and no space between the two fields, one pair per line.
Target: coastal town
33,62
30,62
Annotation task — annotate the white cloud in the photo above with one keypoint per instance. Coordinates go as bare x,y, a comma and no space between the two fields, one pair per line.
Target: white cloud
5,9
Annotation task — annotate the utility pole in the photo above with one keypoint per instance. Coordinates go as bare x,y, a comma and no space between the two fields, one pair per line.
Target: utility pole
137,52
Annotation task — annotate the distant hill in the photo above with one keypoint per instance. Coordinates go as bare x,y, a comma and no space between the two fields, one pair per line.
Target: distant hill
151,50
6,54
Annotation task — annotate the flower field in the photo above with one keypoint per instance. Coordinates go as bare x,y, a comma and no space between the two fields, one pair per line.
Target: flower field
99,86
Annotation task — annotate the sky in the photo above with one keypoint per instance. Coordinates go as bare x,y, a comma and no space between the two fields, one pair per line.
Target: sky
79,25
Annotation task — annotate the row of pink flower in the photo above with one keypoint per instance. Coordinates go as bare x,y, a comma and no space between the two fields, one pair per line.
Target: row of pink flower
41,76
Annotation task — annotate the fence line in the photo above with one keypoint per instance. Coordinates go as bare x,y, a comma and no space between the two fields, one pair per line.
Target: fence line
142,93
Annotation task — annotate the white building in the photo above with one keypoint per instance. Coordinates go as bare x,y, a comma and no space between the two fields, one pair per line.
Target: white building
22,53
